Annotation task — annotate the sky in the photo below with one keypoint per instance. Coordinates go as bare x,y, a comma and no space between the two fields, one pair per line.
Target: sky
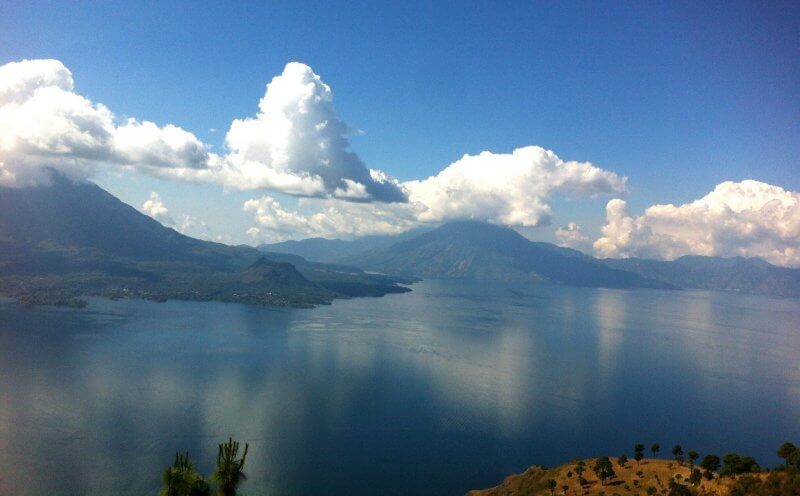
621,129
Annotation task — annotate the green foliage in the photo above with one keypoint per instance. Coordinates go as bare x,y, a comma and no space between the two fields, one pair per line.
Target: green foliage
604,469
181,479
639,448
622,460
734,464
230,468
638,456
551,485
695,477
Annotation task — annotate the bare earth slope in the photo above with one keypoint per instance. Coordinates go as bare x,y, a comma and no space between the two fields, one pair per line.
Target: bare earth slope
655,473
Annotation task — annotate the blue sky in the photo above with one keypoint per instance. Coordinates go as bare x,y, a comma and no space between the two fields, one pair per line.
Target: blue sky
677,96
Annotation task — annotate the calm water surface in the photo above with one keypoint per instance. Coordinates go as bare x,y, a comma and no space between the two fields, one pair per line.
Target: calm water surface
447,388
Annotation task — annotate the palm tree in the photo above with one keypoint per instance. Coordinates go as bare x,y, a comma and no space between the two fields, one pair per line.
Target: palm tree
229,474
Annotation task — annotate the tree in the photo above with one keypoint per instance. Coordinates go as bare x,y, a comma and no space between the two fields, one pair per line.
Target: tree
677,452
604,469
638,452
676,489
694,478
693,455
793,460
551,485
181,479
734,464
785,451
229,474
579,468
622,460
710,464
654,449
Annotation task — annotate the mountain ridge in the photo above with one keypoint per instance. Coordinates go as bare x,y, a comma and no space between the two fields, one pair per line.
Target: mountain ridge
734,274
72,239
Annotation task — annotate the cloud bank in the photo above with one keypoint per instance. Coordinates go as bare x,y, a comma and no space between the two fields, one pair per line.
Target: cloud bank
749,218
44,125
295,144
510,189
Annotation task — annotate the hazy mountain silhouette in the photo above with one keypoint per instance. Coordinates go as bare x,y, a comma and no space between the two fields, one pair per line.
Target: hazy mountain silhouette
68,239
484,251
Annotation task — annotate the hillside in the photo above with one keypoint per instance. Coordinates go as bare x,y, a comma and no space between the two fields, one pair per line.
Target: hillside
744,275
485,251
336,250
648,477
67,240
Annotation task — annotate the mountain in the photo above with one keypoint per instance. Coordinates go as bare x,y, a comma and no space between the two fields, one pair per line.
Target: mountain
739,274
336,250
477,250
68,239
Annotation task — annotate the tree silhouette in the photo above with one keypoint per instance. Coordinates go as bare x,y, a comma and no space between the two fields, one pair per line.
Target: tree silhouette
693,456
622,460
785,451
181,479
677,452
710,464
551,485
229,474
604,469
654,449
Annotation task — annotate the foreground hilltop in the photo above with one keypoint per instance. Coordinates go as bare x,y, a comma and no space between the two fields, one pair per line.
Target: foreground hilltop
648,477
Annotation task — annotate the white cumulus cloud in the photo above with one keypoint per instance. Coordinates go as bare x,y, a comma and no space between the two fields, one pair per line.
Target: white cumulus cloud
510,189
297,144
155,208
748,218
572,236
329,218
45,125
507,188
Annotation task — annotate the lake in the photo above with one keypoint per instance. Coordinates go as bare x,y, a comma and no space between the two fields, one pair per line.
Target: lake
450,387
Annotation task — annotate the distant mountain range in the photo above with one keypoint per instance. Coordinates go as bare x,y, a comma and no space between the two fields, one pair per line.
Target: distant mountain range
67,240
484,251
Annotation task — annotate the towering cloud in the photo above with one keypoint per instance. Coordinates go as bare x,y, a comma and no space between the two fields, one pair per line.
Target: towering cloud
297,144
748,218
